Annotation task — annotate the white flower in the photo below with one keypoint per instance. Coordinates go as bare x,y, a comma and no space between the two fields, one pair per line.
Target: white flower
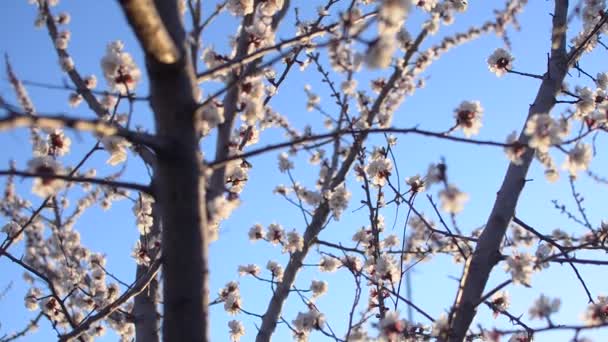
275,269
391,325
578,158
349,87
119,68
520,265
90,82
500,61
74,100
256,232
212,114
251,269
338,200
313,99
275,234
543,307
318,288
501,302
602,80
252,98
232,303
63,18
380,52
31,298
140,254
597,313
58,143
416,184
386,268
452,199
11,229
143,213
378,170
240,7
542,253
329,264
515,152
46,185
284,162
586,102
543,131
307,321
392,15
62,40
391,241
295,242
426,5
468,117
237,330
441,326
117,147
66,63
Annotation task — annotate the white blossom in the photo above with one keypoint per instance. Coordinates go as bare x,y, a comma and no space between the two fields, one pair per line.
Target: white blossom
378,170
237,330
318,288
452,199
119,68
338,200
256,232
520,265
468,117
275,234
46,167
597,313
250,269
117,147
276,269
329,264
284,162
543,131
295,242
544,306
578,158
515,152
500,61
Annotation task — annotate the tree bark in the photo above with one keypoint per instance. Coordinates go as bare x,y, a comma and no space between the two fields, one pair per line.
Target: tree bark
179,189
487,252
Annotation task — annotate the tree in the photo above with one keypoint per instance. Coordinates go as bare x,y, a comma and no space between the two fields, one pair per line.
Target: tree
204,145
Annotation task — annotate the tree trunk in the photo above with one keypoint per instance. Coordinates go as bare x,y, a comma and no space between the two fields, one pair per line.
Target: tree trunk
179,189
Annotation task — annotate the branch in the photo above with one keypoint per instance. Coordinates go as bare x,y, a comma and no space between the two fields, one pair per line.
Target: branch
478,267
150,30
97,126
69,178
338,133
137,288
81,87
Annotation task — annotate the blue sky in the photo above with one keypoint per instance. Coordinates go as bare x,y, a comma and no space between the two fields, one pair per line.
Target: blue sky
461,75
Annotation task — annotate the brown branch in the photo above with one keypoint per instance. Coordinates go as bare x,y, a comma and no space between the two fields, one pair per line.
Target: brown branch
78,81
478,267
139,285
150,30
71,178
100,127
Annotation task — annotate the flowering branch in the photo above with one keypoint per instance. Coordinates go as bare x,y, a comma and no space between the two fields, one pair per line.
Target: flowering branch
71,178
478,267
140,285
97,126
